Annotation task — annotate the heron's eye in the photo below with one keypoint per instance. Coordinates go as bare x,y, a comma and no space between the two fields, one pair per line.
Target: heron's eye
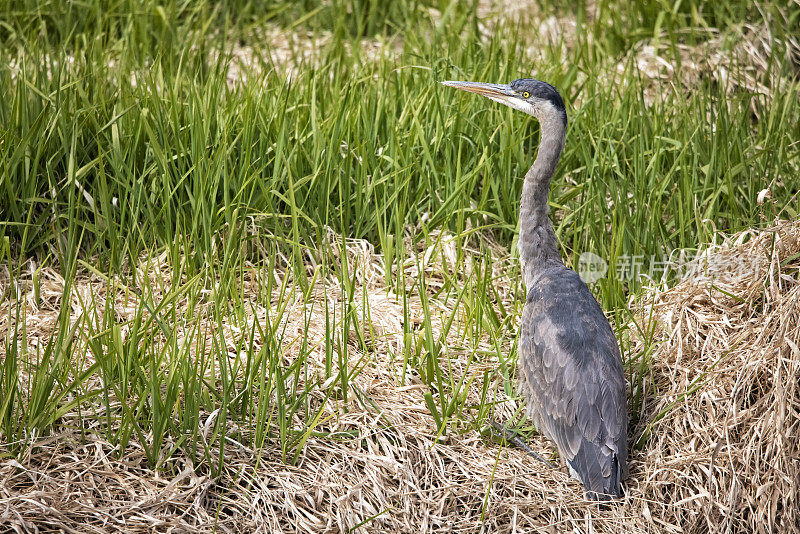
525,94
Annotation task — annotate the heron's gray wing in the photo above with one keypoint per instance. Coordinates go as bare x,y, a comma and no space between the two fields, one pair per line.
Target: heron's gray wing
571,374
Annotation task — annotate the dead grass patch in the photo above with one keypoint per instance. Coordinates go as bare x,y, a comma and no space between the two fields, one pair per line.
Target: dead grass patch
738,61
720,425
721,449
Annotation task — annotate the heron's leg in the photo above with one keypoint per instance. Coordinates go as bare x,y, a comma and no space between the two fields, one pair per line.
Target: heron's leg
511,437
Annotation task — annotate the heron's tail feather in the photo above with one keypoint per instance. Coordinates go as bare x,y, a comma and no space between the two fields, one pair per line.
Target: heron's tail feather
599,485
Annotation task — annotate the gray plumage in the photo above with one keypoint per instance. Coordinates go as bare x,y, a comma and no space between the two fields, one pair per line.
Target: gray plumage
569,361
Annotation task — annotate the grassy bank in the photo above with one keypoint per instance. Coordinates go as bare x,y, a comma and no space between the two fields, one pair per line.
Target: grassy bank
219,221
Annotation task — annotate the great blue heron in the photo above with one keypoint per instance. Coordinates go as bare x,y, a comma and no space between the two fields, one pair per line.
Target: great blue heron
569,361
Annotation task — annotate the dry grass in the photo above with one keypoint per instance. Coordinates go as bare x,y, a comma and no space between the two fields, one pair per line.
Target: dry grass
718,453
271,46
737,61
725,375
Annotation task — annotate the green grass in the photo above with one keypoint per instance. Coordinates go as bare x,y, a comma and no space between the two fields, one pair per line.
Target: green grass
119,139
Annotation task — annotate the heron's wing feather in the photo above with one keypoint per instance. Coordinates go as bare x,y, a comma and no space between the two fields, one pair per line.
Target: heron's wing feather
571,374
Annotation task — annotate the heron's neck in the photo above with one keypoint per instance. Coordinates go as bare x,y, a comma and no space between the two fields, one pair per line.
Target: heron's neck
537,240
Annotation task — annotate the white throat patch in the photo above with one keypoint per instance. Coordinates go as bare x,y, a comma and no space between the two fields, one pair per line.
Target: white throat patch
542,109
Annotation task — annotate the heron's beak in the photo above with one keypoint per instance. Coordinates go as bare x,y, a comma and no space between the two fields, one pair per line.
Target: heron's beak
495,91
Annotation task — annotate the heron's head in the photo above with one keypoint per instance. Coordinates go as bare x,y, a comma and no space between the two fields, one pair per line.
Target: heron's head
535,98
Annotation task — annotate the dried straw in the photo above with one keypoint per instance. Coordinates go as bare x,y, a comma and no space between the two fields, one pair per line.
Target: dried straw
718,431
